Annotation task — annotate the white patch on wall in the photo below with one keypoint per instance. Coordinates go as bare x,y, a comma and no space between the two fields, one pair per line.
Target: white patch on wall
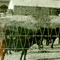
11,5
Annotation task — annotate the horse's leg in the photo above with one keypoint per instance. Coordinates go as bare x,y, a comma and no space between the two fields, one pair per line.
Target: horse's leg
2,51
10,52
40,43
47,42
22,54
52,43
3,55
25,52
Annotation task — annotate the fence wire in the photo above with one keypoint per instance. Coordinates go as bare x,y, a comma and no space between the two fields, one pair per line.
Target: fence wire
16,37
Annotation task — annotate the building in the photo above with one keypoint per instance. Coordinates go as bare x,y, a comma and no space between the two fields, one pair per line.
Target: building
36,8
28,7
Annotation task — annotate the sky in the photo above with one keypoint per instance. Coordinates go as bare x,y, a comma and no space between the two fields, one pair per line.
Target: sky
11,5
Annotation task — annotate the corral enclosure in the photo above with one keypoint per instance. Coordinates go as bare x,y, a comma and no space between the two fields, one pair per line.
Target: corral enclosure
31,24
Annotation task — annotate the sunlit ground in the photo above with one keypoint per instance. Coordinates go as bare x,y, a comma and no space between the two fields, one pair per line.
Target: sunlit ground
35,54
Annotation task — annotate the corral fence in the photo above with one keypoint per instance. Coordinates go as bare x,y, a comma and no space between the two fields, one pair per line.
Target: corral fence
17,32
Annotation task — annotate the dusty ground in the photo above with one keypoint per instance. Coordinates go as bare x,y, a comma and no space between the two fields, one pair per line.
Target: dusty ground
35,54
47,53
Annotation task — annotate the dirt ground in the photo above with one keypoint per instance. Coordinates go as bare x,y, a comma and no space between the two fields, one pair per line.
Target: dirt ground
35,54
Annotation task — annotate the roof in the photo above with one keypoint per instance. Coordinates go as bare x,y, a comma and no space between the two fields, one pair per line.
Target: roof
39,3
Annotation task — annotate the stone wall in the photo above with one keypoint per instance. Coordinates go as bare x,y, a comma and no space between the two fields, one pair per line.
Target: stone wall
39,13
34,11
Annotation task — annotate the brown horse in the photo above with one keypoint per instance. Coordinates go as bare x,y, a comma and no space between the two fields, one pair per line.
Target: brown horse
2,43
2,52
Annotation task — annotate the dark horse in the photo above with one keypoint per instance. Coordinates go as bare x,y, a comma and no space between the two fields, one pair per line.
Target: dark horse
20,40
49,34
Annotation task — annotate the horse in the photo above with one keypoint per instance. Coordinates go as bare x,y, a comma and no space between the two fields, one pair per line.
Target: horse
20,40
2,52
49,34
